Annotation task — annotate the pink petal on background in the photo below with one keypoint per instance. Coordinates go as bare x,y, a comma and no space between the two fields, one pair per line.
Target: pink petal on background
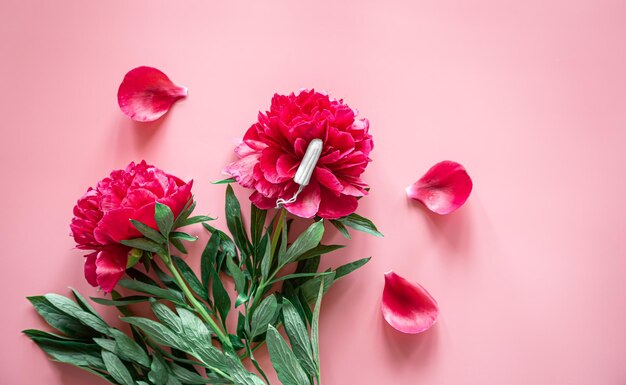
407,306
147,93
443,189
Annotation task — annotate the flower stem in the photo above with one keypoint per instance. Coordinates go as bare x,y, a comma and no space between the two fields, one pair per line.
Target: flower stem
197,305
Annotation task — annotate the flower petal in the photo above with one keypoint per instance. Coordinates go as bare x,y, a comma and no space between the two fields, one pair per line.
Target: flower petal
147,93
407,306
90,268
443,189
110,266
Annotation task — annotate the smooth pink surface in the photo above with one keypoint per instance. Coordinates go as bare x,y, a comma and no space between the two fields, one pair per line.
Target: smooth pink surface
530,96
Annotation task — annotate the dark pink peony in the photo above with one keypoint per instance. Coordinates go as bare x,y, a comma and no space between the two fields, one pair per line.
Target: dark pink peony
407,306
102,216
273,148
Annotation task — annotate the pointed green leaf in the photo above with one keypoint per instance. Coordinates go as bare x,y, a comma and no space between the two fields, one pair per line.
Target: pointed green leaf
189,276
360,223
156,331
225,181
264,314
235,223
341,228
315,326
319,250
158,371
299,337
123,301
128,349
209,255
284,361
350,267
309,239
84,304
156,291
59,320
164,218
143,244
148,232
220,297
183,236
116,368
237,274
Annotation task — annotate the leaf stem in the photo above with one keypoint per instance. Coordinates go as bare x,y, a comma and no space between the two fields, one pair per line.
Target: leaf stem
194,302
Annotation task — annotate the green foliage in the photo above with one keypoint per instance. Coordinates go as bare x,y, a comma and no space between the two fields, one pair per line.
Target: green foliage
188,329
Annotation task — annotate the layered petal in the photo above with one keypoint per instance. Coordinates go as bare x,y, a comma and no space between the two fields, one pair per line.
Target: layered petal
110,266
407,306
146,94
443,189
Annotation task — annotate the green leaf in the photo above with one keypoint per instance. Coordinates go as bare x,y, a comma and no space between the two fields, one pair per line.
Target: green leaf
178,245
299,275
195,219
128,349
188,377
264,314
235,223
235,271
266,262
309,288
195,332
84,304
190,277
159,333
319,250
138,275
315,325
58,319
167,316
34,333
148,232
309,239
75,353
116,368
341,228
225,181
143,244
209,255
184,213
299,337
158,371
220,297
226,243
106,344
183,236
164,218
156,291
350,267
257,222
123,301
284,361
360,223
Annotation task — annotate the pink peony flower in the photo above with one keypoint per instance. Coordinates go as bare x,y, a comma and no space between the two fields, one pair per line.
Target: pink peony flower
407,306
102,217
273,148
146,94
443,189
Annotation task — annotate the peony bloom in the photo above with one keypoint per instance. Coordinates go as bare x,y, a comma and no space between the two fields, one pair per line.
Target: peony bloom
102,217
146,94
273,148
407,306
443,189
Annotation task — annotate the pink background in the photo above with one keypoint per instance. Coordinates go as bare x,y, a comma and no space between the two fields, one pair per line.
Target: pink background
529,95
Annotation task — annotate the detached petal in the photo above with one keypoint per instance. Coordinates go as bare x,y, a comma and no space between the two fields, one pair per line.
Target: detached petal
147,93
407,306
443,189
